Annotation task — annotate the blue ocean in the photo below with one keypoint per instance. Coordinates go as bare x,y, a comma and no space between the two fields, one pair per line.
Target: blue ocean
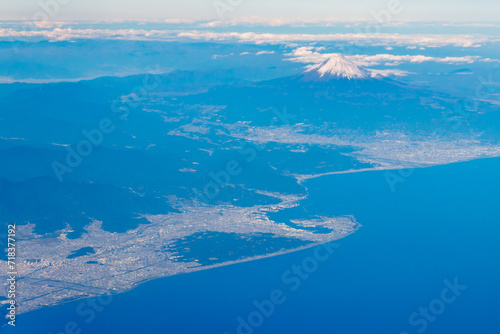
426,260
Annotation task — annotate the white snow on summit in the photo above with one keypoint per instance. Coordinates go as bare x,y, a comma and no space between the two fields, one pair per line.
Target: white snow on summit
337,66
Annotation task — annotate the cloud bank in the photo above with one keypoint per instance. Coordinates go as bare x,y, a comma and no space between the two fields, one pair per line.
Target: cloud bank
361,39
309,54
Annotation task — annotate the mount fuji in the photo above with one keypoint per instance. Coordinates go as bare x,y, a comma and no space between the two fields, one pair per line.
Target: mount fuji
335,91
336,67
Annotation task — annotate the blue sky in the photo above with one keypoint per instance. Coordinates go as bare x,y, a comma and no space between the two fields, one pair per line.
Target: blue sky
448,10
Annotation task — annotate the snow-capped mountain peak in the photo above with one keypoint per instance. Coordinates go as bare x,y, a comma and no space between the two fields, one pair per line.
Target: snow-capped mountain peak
335,67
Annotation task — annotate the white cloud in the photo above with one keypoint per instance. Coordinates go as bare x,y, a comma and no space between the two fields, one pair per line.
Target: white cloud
307,55
489,60
6,80
61,34
381,39
259,53
222,56
390,73
371,60
384,39
265,53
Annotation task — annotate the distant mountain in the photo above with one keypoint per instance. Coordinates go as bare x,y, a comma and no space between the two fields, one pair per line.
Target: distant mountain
342,94
335,67
338,76
336,91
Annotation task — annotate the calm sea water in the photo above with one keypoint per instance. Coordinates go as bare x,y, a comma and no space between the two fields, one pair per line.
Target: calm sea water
440,224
